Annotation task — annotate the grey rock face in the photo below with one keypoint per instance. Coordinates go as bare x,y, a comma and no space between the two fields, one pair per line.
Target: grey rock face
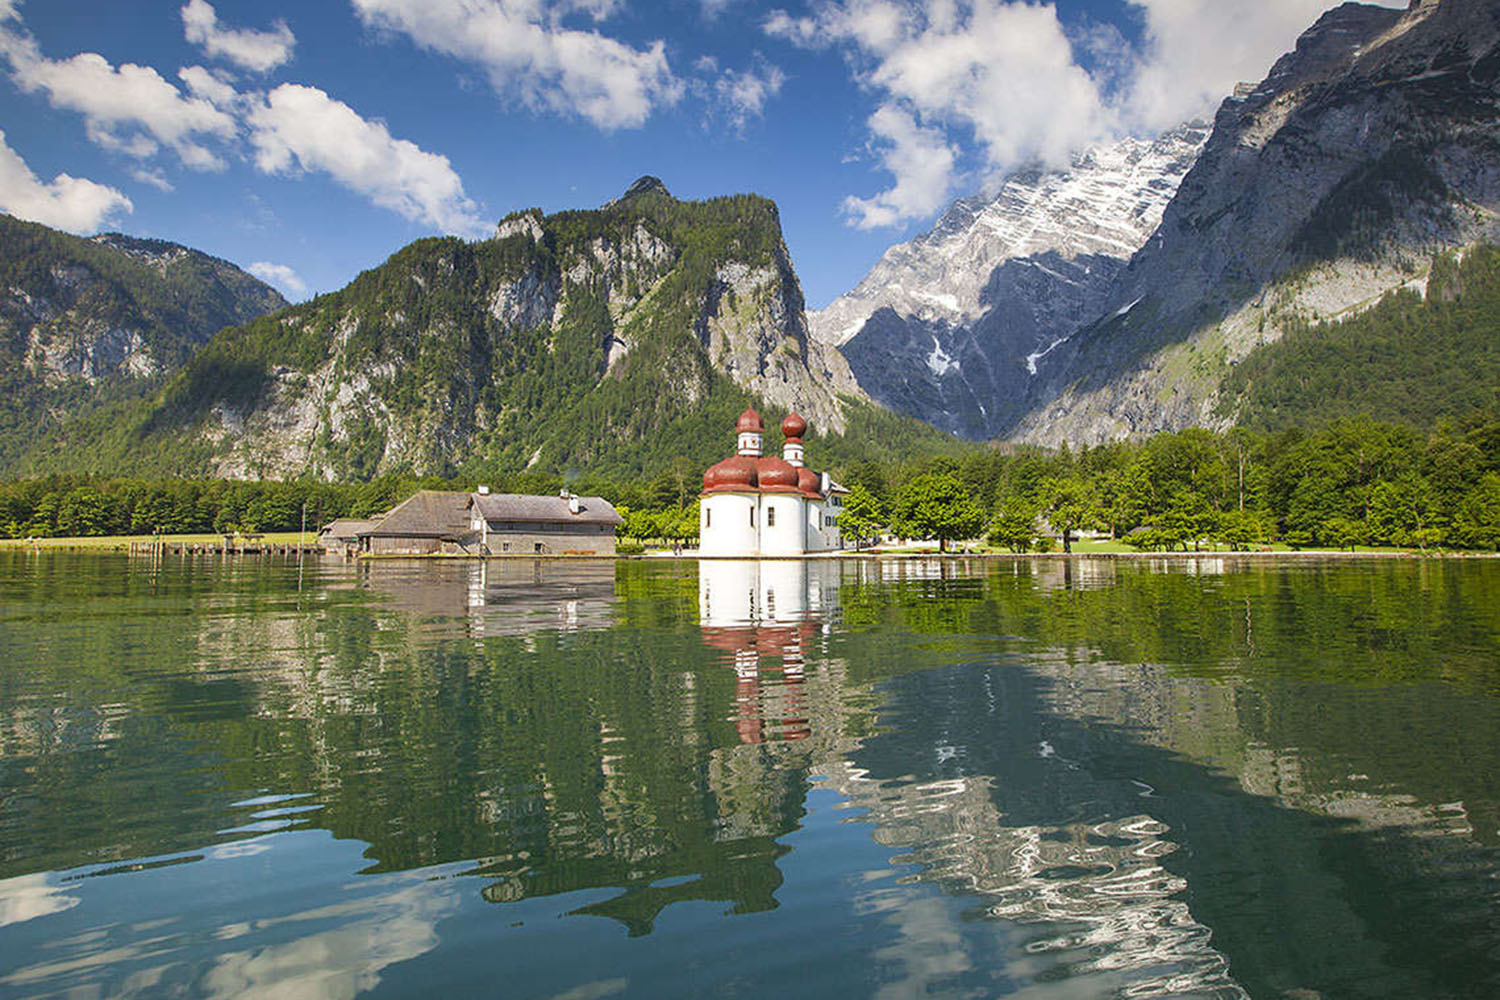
950,326
85,317
1371,146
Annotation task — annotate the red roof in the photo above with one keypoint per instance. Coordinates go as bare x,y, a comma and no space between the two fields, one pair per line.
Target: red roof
732,474
776,475
750,421
793,427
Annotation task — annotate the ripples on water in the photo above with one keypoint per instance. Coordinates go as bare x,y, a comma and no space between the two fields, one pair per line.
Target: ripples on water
958,778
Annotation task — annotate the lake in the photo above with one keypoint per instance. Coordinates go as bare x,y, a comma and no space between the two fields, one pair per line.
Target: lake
1189,777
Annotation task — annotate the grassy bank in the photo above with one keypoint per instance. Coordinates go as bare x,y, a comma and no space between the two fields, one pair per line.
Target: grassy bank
122,543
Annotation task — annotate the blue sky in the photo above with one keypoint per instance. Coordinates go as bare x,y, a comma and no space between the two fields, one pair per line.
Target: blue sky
312,140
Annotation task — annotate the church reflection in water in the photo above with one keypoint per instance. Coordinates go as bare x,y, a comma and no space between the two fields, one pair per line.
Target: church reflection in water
764,615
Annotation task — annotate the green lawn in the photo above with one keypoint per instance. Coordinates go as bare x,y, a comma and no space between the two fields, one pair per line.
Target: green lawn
123,542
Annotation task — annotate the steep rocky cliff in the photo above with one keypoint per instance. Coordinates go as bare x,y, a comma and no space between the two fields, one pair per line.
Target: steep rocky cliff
616,340
949,327
87,321
1367,150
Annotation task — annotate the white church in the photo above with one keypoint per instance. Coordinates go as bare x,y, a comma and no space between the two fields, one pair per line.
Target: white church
756,505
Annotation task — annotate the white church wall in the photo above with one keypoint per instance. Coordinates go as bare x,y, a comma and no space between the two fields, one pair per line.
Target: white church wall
729,525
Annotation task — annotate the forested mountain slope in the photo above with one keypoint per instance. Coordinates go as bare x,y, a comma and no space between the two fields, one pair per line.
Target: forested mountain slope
85,322
1410,358
613,341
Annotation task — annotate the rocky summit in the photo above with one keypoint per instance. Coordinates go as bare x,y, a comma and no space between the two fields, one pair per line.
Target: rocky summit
950,326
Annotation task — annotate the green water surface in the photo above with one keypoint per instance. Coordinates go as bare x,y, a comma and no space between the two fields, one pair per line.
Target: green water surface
953,778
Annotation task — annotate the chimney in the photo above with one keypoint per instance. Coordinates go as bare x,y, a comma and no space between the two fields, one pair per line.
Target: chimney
572,503
483,491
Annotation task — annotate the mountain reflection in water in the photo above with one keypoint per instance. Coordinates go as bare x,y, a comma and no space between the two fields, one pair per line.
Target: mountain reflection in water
959,777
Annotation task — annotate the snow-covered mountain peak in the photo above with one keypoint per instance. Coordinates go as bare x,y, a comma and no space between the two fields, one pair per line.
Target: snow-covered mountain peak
1108,202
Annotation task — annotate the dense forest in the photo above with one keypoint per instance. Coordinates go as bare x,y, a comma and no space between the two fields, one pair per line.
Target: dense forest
1355,482
1409,358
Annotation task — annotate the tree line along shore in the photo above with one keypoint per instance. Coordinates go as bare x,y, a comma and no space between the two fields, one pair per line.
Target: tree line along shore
1355,482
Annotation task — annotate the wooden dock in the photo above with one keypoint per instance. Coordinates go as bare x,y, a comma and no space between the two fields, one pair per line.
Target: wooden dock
157,550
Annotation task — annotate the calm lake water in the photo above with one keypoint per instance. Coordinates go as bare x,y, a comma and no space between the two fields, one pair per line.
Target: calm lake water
956,778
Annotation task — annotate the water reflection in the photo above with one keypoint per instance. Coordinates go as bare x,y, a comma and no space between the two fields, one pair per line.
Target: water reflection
498,597
949,776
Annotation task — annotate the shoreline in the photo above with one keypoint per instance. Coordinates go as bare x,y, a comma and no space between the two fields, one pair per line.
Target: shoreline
121,545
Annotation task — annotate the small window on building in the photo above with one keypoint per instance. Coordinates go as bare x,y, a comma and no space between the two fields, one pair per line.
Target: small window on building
505,546
752,517
539,546
708,517
770,517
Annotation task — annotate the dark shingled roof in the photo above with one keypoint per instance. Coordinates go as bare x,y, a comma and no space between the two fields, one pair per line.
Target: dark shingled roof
348,527
549,510
428,514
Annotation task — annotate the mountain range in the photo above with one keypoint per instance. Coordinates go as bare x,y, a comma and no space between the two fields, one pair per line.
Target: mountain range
1146,286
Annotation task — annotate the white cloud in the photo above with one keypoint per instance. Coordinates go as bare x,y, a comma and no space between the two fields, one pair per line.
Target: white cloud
129,109
281,276
296,126
529,55
922,163
998,76
210,86
1197,50
743,94
70,203
155,178
1003,78
259,51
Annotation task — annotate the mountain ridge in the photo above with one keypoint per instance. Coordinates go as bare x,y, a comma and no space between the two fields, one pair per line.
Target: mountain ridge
615,339
1362,155
88,321
947,327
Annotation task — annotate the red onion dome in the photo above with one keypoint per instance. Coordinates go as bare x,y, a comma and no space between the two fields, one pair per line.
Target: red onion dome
809,482
793,427
750,421
776,473
736,473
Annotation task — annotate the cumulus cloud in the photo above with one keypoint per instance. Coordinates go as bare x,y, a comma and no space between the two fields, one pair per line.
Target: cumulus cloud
129,109
996,75
1009,81
921,161
259,51
154,178
281,276
211,87
1197,50
302,127
70,203
530,55
743,93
